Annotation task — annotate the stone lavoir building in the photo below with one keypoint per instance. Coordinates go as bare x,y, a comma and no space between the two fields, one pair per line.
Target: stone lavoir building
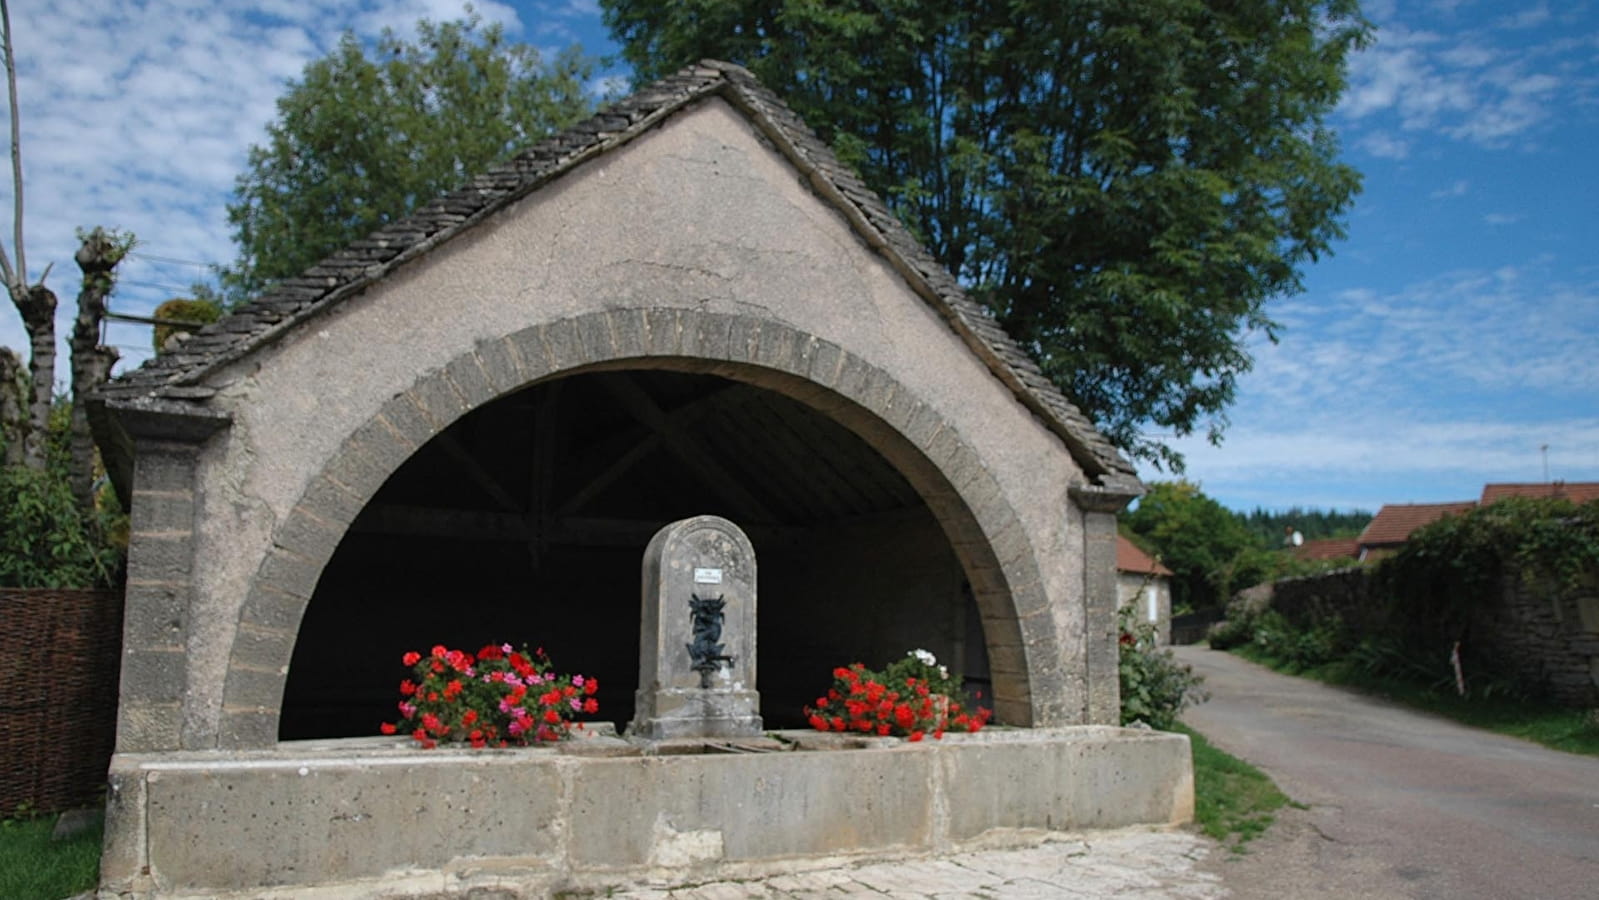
467,426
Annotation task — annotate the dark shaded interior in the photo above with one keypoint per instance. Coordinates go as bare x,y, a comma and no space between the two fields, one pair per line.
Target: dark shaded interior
526,521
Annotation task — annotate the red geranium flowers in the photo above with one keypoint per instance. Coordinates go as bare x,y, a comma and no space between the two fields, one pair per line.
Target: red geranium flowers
914,697
498,697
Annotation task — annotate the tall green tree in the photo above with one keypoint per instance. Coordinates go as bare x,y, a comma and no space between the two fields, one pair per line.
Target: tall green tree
1125,183
1205,544
369,133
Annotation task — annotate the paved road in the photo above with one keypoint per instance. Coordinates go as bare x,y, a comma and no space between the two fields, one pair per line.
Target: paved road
1401,804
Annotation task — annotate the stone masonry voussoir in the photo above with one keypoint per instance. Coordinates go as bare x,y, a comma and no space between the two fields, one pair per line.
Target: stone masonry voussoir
330,502
292,573
778,347
245,728
257,688
663,332
269,608
710,335
689,324
628,333
501,366
563,345
825,363
595,339
438,400
852,377
303,533
259,647
528,347
368,457
466,374
743,339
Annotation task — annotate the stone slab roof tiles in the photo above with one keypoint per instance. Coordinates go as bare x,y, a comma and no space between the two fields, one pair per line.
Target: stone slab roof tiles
175,382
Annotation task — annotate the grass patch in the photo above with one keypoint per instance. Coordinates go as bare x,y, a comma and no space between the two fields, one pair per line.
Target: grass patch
34,867
1556,727
1234,802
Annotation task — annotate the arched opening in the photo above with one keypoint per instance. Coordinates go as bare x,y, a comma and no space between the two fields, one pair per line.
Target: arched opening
526,519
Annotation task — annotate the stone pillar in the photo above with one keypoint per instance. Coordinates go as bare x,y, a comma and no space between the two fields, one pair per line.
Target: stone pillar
1099,508
165,438
697,634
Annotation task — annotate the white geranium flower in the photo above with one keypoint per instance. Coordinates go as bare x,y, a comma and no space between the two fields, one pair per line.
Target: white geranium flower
923,657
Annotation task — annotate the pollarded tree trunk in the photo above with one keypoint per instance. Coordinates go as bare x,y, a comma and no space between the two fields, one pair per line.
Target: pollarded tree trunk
13,406
38,308
91,361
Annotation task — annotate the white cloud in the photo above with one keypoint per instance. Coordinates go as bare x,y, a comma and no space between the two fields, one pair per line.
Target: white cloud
139,114
1481,86
1466,339
1497,218
1373,460
1531,17
1383,145
1458,189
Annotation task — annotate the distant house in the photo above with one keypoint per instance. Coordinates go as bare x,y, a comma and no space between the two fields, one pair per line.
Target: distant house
1329,548
1395,522
1145,585
1578,492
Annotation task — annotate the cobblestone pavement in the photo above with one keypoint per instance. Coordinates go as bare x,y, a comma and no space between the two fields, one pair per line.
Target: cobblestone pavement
1118,864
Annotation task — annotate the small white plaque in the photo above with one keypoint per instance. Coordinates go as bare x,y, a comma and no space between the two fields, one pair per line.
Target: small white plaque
707,576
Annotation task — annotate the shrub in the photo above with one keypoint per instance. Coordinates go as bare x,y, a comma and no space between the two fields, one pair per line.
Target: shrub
1155,687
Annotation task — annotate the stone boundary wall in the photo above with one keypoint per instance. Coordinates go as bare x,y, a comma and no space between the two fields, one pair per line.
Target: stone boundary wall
1546,634
1543,633
1345,593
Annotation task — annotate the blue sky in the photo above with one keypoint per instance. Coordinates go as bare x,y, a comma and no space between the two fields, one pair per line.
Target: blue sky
1452,336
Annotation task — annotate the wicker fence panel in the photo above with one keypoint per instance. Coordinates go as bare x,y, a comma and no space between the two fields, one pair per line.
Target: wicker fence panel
60,656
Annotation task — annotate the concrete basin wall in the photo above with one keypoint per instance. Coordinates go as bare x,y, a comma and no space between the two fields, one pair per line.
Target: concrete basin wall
367,818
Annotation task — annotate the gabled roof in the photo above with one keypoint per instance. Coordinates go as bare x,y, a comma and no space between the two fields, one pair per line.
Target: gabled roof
1134,561
1576,492
1395,521
1328,548
175,380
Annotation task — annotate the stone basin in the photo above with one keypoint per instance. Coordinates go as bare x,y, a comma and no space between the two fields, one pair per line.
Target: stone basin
368,818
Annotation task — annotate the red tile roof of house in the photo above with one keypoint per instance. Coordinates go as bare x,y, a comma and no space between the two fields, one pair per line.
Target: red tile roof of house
1576,492
1135,561
1329,548
1394,522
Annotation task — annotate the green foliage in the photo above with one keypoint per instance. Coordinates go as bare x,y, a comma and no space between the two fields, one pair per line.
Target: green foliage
1125,184
45,539
1313,524
1155,687
1234,802
1450,569
366,135
35,867
1298,648
201,311
1201,541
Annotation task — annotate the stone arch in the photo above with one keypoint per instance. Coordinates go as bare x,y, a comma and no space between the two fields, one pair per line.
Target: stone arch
984,530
